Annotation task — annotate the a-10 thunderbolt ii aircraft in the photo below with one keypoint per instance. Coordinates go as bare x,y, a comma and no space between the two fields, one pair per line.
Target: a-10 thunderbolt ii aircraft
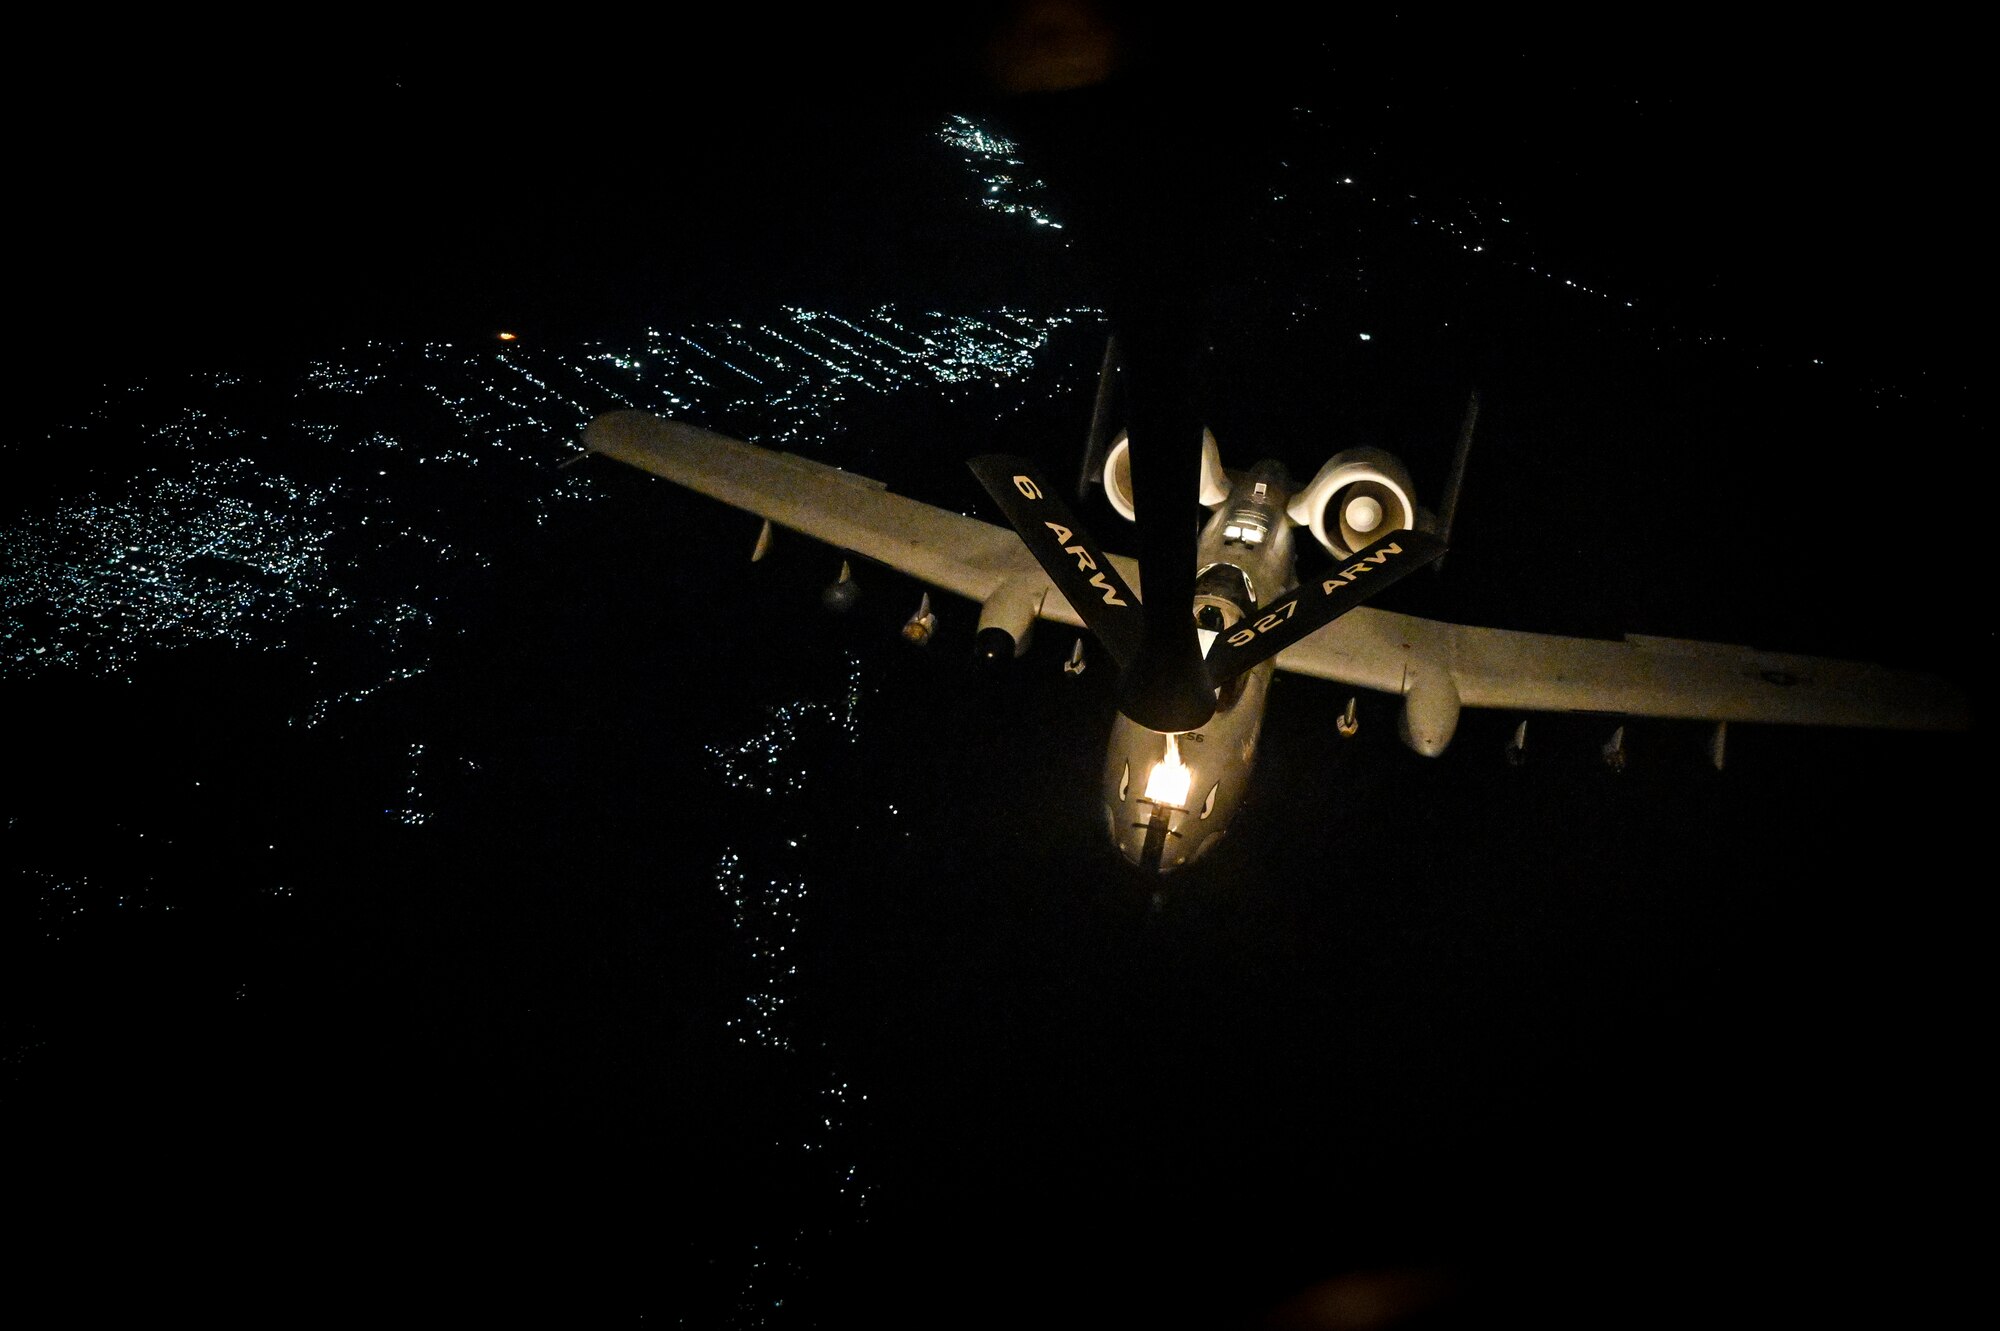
1169,789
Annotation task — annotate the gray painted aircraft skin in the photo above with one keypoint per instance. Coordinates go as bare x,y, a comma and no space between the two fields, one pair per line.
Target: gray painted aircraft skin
1246,559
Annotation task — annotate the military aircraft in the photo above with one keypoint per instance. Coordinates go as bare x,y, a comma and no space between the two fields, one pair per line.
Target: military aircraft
1168,791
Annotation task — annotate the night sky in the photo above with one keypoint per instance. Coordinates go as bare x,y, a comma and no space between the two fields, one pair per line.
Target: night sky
1795,175
406,923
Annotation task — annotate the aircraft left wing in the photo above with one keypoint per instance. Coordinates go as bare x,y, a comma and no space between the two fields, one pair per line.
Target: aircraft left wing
959,554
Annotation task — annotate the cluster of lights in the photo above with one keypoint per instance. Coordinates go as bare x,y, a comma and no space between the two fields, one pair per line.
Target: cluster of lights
759,762
1000,345
63,898
779,382
411,814
211,544
1473,233
109,574
769,762
217,551
216,542
354,381
996,162
813,324
497,421
724,362
767,909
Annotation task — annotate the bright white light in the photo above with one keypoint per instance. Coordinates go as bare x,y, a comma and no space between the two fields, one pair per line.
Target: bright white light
1171,777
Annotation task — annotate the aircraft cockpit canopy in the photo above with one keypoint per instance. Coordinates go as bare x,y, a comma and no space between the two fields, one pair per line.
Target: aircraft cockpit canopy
1247,527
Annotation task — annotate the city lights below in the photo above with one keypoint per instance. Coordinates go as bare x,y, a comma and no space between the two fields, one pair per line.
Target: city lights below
297,643
205,543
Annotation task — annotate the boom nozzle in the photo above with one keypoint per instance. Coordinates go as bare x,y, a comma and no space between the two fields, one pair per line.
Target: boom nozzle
1166,687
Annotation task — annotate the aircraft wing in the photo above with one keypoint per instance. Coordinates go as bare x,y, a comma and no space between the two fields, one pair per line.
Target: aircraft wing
947,550
1637,676
1366,648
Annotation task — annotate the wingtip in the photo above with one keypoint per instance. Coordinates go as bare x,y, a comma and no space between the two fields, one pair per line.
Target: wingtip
607,428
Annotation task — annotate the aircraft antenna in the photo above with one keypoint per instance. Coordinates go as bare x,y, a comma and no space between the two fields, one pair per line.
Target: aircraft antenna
1448,508
1098,443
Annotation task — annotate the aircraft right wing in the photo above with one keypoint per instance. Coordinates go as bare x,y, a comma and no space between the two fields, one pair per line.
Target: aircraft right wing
948,550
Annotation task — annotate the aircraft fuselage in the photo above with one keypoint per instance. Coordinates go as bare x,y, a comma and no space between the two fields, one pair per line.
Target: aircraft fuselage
1169,798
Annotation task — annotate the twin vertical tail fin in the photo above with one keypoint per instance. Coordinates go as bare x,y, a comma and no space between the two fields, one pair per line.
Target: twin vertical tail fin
1103,410
1454,483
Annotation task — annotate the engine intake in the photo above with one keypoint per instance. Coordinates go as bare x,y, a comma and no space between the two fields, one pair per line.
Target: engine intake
1118,475
1359,496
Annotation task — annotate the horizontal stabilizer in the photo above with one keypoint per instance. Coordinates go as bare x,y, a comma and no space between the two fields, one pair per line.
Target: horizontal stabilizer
1294,614
1074,561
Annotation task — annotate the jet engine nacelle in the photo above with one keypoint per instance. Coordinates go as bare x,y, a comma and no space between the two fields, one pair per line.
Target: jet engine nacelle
1007,617
1357,497
1118,475
1430,709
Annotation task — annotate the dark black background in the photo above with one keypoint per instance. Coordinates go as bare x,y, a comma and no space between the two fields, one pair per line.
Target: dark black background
319,182
1592,1050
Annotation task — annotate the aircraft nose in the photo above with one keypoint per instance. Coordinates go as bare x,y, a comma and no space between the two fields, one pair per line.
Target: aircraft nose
1160,809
